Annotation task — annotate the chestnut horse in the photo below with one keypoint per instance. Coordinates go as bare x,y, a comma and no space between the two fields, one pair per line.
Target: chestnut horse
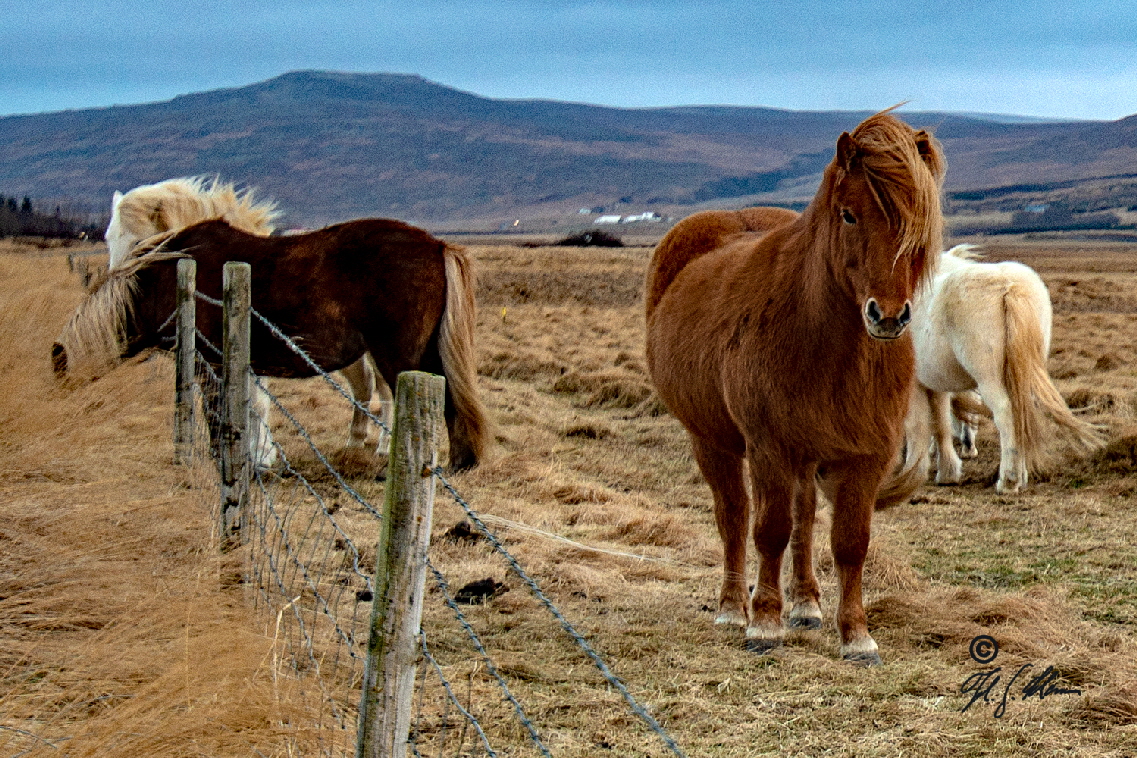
780,340
369,286
174,204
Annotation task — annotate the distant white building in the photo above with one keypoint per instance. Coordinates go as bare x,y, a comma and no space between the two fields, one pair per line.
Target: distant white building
645,216
607,220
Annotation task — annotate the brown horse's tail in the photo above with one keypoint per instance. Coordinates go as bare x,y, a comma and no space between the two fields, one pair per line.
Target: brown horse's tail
1033,395
698,235
912,472
469,427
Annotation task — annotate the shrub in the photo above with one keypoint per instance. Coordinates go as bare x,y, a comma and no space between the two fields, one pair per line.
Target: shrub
593,238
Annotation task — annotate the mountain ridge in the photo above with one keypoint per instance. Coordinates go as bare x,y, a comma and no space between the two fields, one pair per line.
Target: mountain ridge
335,145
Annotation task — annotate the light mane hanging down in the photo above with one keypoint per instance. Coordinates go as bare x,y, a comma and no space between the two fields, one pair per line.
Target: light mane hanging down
906,180
174,204
93,336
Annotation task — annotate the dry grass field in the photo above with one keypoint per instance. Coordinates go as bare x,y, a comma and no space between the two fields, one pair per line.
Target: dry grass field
118,641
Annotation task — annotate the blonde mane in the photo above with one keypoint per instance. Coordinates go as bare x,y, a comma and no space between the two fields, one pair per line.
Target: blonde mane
178,203
906,170
95,335
174,204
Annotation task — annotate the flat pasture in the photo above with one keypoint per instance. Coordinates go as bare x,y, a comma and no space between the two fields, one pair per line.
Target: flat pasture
109,602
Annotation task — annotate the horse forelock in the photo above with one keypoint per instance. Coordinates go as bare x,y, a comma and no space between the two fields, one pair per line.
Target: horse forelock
94,337
905,169
177,203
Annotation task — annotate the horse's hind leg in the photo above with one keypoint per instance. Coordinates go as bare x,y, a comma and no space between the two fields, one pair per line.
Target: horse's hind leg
362,379
723,472
804,591
386,414
1012,463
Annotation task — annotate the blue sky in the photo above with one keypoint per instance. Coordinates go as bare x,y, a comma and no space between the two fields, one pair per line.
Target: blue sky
1041,58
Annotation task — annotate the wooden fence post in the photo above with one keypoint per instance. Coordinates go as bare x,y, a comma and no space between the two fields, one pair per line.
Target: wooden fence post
186,360
400,570
235,283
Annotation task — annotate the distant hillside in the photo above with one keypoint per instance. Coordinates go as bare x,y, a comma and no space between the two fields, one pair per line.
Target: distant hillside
331,146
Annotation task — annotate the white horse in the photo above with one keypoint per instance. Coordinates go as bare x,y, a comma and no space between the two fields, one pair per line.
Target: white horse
153,209
985,326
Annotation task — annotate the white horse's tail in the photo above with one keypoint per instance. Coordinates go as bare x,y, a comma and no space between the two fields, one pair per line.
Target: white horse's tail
913,469
1033,395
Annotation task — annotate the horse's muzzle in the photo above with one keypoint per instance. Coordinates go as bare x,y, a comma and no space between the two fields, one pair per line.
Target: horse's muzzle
883,327
58,360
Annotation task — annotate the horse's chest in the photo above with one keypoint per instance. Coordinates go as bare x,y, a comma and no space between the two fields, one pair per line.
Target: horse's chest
825,403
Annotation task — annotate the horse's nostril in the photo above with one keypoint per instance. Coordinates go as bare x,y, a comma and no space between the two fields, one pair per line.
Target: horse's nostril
872,311
905,315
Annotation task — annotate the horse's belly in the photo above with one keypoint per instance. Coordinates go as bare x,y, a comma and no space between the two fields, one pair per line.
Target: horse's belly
945,375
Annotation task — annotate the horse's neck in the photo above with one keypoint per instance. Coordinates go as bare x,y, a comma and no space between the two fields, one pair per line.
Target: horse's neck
812,280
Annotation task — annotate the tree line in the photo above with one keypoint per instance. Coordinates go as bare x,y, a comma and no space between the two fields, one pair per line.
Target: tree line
22,219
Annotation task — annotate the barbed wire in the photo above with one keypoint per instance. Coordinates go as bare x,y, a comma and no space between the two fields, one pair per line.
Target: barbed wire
279,549
304,435
582,643
454,698
440,580
291,344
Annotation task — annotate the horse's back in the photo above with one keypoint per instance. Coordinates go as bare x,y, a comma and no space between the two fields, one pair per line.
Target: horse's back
960,327
700,234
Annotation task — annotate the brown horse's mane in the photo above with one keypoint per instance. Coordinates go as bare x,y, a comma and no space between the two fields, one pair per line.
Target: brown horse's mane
905,170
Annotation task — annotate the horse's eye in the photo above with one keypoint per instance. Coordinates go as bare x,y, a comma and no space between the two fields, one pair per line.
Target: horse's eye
847,216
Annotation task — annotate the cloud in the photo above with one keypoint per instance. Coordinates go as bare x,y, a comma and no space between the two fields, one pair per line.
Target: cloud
812,54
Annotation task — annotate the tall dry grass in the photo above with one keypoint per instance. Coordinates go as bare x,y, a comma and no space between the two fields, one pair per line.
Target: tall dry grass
117,639
123,644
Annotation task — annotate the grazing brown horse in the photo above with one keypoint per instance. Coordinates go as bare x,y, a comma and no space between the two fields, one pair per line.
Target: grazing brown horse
781,341
375,286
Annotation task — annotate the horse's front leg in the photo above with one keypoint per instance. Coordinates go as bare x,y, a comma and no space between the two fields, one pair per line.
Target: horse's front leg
804,591
261,445
855,488
723,472
963,430
773,488
949,467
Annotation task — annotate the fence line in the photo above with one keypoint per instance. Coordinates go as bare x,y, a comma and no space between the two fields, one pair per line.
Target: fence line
305,566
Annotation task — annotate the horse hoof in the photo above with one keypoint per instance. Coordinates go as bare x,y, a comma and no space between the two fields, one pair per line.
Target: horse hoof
865,659
762,646
805,622
731,618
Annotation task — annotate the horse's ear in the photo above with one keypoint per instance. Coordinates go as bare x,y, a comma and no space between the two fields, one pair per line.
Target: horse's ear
116,199
847,151
930,152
